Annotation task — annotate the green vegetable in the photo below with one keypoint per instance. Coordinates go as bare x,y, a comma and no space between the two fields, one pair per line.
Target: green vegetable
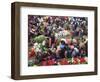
40,38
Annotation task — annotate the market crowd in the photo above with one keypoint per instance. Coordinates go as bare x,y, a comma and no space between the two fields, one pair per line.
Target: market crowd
57,40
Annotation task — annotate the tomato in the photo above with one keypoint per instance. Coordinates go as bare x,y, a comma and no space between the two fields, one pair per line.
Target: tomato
32,53
44,63
76,61
63,62
50,62
82,60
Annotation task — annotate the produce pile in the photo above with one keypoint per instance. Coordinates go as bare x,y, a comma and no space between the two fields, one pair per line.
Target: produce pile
57,40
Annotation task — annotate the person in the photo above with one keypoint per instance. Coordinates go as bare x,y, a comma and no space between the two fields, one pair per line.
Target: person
47,42
52,39
62,51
